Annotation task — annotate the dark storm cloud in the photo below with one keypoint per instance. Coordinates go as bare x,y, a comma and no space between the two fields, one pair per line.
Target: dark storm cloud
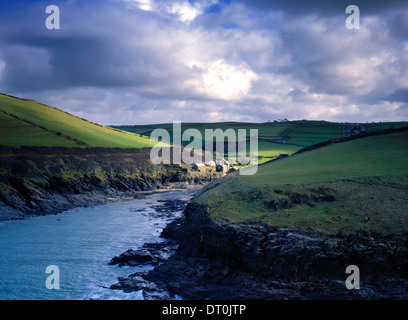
94,47
361,65
398,24
320,7
400,95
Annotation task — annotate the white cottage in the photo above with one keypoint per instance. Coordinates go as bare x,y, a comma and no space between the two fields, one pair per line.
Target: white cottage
210,163
223,162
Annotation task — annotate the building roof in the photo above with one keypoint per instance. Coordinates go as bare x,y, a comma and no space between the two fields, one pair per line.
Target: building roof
222,162
199,164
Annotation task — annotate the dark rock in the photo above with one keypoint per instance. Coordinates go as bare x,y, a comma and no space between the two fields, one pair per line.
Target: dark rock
281,204
213,260
152,253
258,261
319,195
133,283
174,229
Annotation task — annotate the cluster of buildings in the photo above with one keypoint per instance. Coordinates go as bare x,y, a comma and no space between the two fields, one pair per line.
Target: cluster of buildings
353,129
221,165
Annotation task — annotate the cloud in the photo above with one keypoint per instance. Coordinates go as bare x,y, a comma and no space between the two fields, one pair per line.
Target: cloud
152,57
337,61
114,61
400,95
319,7
185,11
228,82
141,4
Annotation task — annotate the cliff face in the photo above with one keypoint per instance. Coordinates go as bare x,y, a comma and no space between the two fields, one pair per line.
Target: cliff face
40,180
259,261
290,253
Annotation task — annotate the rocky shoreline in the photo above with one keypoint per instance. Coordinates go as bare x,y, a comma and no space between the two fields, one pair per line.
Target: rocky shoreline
220,260
41,180
55,200
44,202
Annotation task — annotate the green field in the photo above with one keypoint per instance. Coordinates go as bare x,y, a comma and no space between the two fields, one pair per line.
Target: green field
358,184
274,138
29,123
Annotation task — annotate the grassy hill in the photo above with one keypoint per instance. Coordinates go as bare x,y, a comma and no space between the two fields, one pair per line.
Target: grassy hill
26,122
358,184
275,138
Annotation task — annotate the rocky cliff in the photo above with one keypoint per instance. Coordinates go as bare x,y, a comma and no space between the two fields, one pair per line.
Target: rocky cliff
220,260
41,180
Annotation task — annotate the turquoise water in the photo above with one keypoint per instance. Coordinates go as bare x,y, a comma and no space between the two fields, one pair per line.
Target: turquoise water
80,242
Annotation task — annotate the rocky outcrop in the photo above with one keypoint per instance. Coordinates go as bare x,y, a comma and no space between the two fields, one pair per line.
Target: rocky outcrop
293,198
285,253
259,247
151,253
220,260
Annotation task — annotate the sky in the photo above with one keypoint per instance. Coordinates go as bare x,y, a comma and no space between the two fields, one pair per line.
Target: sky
120,62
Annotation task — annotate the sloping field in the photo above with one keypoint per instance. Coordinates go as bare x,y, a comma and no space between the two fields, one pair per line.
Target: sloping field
274,138
358,184
377,155
29,123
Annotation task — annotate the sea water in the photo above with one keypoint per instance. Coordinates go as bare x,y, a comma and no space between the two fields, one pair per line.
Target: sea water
80,242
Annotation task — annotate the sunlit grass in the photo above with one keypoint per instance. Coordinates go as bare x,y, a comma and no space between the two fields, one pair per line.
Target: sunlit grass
31,123
367,179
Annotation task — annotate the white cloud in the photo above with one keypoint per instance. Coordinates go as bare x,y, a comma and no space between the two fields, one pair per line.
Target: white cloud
228,82
185,10
141,4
